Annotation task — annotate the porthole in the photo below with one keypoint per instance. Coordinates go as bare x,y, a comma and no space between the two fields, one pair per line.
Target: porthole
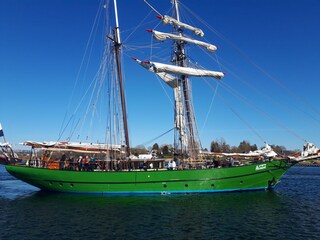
71,185
164,185
212,185
186,185
61,184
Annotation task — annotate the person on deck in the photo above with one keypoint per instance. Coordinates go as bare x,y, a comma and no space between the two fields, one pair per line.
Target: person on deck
85,164
62,160
80,163
130,164
170,165
174,165
145,165
92,164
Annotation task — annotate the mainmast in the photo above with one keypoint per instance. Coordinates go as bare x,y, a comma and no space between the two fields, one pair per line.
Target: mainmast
179,60
176,76
117,48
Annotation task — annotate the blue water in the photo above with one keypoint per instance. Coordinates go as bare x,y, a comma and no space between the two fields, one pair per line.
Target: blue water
291,211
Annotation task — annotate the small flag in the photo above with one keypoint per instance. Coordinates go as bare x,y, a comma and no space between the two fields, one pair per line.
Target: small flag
1,131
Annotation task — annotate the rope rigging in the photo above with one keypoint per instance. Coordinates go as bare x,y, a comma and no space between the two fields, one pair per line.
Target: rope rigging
293,94
98,84
94,93
161,135
279,83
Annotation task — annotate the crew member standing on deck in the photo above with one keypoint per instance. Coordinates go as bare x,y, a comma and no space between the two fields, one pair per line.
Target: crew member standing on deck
173,165
62,160
170,165
80,163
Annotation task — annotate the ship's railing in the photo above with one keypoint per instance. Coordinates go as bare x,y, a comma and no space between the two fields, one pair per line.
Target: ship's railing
131,164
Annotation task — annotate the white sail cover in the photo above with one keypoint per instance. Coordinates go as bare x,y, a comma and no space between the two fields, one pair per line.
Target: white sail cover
161,36
166,68
73,146
167,78
179,108
180,121
167,19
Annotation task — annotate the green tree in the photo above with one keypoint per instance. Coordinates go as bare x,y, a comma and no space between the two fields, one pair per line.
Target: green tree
167,150
215,147
224,146
234,149
220,146
254,147
279,149
244,146
140,149
155,146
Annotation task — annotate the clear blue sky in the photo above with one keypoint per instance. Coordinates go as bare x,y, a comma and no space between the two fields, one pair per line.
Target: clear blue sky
270,50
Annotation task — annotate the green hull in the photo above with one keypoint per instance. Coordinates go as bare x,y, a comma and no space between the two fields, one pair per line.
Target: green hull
243,178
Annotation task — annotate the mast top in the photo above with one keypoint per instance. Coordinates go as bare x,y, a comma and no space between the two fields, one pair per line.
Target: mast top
118,40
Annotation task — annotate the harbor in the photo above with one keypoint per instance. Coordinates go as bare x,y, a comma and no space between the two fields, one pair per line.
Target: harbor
154,119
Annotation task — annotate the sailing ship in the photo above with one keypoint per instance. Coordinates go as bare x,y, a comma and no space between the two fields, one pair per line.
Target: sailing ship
109,168
309,152
7,155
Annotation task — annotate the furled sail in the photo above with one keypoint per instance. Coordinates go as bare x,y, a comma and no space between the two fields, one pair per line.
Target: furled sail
180,121
167,19
179,107
74,146
167,78
161,36
166,68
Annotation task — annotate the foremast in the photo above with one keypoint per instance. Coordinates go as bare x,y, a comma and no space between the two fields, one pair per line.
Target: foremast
117,50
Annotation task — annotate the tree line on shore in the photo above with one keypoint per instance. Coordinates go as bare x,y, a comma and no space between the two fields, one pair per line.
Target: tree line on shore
219,146
244,147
